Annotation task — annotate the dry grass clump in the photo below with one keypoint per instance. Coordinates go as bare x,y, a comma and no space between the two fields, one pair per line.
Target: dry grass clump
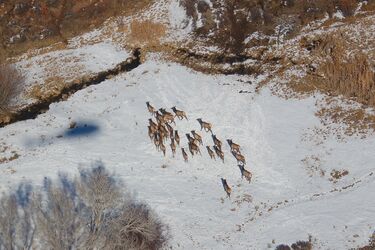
11,82
353,77
88,212
146,33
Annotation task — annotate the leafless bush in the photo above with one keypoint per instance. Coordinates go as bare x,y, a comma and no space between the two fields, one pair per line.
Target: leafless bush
136,227
17,227
88,212
11,81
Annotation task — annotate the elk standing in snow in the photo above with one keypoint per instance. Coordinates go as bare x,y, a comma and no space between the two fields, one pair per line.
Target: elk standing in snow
177,137
245,173
153,124
173,147
169,127
205,125
194,148
184,154
210,152
162,148
217,142
233,146
191,139
150,108
151,132
197,137
179,113
227,189
168,117
219,153
240,158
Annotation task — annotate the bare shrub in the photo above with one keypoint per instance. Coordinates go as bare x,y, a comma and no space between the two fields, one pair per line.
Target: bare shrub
59,216
17,227
136,227
146,33
11,81
88,212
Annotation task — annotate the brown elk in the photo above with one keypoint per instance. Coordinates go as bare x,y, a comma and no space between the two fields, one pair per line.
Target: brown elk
150,108
173,147
210,152
197,137
219,153
191,139
217,142
168,117
177,137
205,125
151,131
240,158
227,189
245,173
162,148
157,139
163,131
194,148
159,117
170,129
233,146
152,124
184,154
179,113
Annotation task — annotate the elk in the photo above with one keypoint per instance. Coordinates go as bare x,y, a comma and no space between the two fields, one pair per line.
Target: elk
169,127
227,189
168,117
157,139
191,139
163,131
197,137
205,125
217,142
162,147
219,153
233,146
173,147
150,132
159,117
210,152
177,137
184,154
240,158
179,113
194,148
152,124
150,108
245,173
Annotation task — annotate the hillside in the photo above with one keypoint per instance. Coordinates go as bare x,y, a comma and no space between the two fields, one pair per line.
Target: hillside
305,127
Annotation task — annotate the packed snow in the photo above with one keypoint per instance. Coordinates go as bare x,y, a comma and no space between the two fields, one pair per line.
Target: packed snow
288,198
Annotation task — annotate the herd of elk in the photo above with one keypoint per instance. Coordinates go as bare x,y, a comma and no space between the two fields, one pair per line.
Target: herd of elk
161,130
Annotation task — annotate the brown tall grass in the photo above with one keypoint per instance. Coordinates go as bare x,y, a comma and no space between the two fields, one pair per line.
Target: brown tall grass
11,82
351,78
146,33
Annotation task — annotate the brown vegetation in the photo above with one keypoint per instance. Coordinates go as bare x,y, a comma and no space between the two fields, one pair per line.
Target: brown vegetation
11,83
228,23
88,212
28,24
146,33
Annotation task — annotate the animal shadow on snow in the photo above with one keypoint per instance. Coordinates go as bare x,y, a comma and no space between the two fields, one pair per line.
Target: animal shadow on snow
81,130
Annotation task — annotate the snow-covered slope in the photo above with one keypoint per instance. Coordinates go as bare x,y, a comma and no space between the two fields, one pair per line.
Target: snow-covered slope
289,198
